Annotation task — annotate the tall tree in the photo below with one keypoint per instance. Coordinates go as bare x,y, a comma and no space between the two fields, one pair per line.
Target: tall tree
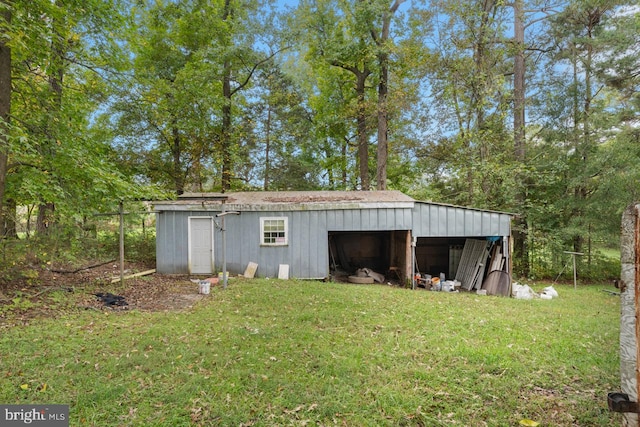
286,153
241,59
338,35
357,40
580,23
580,124
519,137
381,38
187,91
5,103
468,68
157,102
59,61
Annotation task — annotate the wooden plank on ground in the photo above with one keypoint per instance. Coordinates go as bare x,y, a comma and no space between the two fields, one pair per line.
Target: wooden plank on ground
131,276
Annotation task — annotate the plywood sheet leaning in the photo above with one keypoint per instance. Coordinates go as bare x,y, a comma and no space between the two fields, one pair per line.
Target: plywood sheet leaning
250,271
472,263
497,283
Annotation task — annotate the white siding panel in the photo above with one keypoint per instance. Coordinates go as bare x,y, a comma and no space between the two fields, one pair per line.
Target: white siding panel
443,220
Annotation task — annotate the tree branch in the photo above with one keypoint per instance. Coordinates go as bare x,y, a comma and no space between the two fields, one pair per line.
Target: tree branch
253,70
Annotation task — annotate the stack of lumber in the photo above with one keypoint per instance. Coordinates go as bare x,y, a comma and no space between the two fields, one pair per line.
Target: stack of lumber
498,281
478,257
472,264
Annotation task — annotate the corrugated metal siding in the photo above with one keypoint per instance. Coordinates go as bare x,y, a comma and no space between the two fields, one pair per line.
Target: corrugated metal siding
172,250
369,219
307,251
431,220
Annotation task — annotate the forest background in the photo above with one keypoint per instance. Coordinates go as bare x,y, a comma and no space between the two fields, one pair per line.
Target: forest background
530,107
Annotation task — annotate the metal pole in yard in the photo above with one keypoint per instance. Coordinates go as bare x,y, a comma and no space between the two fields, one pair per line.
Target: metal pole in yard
121,213
413,263
575,272
224,255
224,243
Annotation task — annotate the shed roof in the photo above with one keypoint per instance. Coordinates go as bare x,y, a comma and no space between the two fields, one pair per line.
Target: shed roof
299,200
289,200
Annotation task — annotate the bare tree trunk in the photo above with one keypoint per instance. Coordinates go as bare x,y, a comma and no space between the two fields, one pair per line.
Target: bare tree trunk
518,83
10,215
226,128
226,111
582,121
267,165
45,219
383,142
55,80
176,150
361,120
343,164
383,91
363,140
520,232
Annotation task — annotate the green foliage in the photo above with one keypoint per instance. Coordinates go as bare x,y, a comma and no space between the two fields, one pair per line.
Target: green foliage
78,244
18,303
59,68
117,101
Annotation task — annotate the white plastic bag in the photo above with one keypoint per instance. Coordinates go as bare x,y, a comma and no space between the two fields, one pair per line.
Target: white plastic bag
550,291
522,291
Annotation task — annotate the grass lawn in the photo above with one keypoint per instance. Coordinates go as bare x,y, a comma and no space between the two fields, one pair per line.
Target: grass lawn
289,353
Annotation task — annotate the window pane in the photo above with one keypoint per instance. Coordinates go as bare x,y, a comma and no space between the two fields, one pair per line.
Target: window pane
274,231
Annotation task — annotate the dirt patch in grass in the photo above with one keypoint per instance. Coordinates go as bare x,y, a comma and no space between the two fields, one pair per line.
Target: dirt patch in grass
46,293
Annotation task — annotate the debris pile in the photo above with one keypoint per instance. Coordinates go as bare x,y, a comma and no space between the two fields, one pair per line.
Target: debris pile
111,300
525,292
367,272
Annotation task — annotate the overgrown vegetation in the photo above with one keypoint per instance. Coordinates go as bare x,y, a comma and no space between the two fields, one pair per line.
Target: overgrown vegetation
269,352
71,245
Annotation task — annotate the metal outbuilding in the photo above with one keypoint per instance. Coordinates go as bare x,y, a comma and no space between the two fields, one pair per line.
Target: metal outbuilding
317,233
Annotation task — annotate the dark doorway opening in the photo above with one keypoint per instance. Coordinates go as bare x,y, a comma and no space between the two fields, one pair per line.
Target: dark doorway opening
385,252
437,255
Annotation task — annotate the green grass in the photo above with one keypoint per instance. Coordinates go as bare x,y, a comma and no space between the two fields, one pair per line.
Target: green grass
267,353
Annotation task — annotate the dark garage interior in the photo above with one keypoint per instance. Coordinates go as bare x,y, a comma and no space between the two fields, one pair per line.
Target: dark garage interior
436,255
389,253
386,252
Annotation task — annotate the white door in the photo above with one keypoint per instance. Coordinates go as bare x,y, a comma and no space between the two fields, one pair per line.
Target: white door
201,245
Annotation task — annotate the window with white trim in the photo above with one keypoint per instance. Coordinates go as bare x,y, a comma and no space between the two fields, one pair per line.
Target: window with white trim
274,231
